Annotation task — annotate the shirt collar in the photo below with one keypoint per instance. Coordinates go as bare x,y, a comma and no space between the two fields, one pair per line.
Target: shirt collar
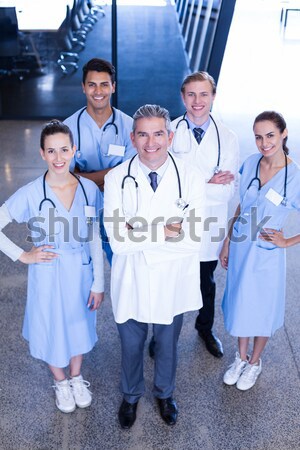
160,171
204,126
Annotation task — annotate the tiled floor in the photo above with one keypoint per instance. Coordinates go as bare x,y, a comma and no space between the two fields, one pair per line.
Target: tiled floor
212,416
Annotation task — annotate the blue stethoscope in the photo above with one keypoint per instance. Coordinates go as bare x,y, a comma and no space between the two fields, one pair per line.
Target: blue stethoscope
184,119
180,203
47,199
109,124
256,178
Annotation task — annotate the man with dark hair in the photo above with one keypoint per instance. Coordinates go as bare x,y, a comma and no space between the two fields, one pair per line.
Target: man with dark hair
101,132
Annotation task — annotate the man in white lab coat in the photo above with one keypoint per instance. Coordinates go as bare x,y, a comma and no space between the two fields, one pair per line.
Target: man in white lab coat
213,148
152,213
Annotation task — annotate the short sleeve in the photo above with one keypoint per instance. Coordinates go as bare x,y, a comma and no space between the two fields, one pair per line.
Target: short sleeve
18,206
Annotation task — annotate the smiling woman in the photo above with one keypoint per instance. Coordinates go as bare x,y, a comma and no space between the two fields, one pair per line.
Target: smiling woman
57,150
254,251
54,298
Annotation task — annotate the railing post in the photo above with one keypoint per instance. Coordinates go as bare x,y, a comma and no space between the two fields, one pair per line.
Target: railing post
114,47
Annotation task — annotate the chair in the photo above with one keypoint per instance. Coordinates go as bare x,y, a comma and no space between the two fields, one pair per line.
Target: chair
77,39
86,19
65,46
89,15
68,43
13,59
96,7
79,27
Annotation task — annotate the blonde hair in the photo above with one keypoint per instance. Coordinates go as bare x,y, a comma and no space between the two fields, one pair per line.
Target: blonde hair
199,76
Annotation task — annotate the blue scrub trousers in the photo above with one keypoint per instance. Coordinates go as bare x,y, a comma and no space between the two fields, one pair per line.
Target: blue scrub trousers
133,335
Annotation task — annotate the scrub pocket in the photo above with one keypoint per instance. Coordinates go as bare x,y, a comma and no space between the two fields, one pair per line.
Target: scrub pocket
264,244
86,259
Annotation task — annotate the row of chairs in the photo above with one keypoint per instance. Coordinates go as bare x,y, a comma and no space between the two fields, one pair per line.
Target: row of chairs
71,36
17,55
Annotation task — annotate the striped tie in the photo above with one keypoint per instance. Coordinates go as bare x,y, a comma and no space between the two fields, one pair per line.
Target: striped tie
198,134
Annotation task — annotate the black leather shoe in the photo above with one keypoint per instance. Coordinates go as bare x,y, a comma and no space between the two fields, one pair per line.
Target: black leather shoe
168,410
127,414
213,344
151,347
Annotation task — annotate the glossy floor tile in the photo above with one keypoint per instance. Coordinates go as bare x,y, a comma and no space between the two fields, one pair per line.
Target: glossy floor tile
212,416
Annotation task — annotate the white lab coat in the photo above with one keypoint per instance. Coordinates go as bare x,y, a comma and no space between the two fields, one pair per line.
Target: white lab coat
153,280
205,156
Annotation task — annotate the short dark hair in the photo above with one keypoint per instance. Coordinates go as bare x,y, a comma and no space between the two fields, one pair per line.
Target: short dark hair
54,127
99,65
199,76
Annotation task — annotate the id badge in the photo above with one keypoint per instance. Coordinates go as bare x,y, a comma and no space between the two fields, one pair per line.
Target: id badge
89,211
274,197
116,150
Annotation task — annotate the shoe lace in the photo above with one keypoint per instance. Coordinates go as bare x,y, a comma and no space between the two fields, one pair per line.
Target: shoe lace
63,390
237,363
250,372
79,385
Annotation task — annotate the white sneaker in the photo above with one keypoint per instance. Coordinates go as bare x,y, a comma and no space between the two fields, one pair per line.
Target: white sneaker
235,370
82,396
249,376
64,398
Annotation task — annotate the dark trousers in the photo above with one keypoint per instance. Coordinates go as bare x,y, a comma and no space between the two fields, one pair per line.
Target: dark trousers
133,335
205,319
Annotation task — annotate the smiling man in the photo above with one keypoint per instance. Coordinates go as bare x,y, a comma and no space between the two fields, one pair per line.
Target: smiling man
156,240
101,132
213,148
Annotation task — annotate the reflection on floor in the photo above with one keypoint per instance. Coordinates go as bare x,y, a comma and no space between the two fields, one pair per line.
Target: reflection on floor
212,416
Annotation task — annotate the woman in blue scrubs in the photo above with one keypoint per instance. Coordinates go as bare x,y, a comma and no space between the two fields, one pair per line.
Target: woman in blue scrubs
65,276
254,251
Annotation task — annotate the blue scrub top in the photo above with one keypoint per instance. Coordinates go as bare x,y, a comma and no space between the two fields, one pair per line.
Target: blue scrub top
57,323
94,141
254,297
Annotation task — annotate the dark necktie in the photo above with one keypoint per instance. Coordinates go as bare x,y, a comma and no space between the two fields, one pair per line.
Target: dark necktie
153,178
198,134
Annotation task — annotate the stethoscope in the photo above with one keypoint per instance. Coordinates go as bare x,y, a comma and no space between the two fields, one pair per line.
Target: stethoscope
184,119
180,203
47,199
109,124
256,178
